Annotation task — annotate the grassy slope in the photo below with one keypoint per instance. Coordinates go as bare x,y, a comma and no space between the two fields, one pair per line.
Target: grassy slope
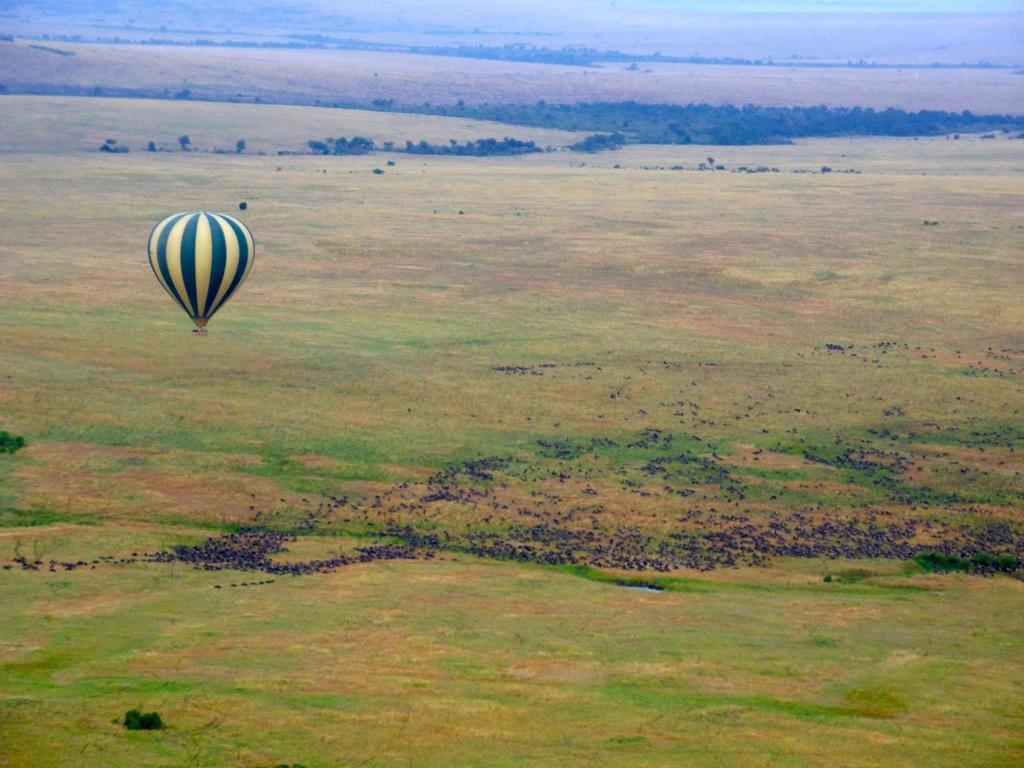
359,77
360,353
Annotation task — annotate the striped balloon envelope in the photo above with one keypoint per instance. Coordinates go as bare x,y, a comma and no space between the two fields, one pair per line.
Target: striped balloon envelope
200,259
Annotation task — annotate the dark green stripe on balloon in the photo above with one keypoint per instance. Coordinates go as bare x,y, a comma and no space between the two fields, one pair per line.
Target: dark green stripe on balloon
243,257
218,265
188,260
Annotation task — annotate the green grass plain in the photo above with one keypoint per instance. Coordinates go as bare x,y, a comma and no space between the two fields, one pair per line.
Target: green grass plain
361,355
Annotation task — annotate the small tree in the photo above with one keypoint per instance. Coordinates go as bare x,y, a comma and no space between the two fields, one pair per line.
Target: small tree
184,141
10,443
240,146
134,720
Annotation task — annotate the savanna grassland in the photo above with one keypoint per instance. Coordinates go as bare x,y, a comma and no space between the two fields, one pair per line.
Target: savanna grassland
459,406
355,78
58,124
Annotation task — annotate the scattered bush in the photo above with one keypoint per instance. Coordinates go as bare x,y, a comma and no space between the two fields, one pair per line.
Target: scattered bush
110,145
134,720
357,145
599,142
378,171
478,148
983,562
10,443
937,562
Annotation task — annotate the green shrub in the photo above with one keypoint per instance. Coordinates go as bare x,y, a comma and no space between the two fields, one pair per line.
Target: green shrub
937,562
983,561
10,443
134,720
979,562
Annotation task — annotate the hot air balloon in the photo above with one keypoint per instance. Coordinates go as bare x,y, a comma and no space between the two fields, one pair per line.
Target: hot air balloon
200,259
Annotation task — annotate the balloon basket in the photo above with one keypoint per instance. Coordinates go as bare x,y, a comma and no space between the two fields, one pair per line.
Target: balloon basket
198,331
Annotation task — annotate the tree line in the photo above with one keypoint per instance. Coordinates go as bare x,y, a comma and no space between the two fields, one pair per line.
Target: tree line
476,148
360,145
637,123
615,124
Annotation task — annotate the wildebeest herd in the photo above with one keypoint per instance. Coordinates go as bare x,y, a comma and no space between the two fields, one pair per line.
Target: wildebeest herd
417,521
252,550
654,501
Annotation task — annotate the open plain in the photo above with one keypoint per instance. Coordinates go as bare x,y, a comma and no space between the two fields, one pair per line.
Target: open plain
554,460
355,78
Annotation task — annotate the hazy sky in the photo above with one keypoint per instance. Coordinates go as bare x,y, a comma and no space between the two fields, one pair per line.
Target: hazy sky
581,7
874,6
838,30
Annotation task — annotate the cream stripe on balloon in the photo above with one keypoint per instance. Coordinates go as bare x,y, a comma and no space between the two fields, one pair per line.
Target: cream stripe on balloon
204,247
230,265
173,256
252,249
